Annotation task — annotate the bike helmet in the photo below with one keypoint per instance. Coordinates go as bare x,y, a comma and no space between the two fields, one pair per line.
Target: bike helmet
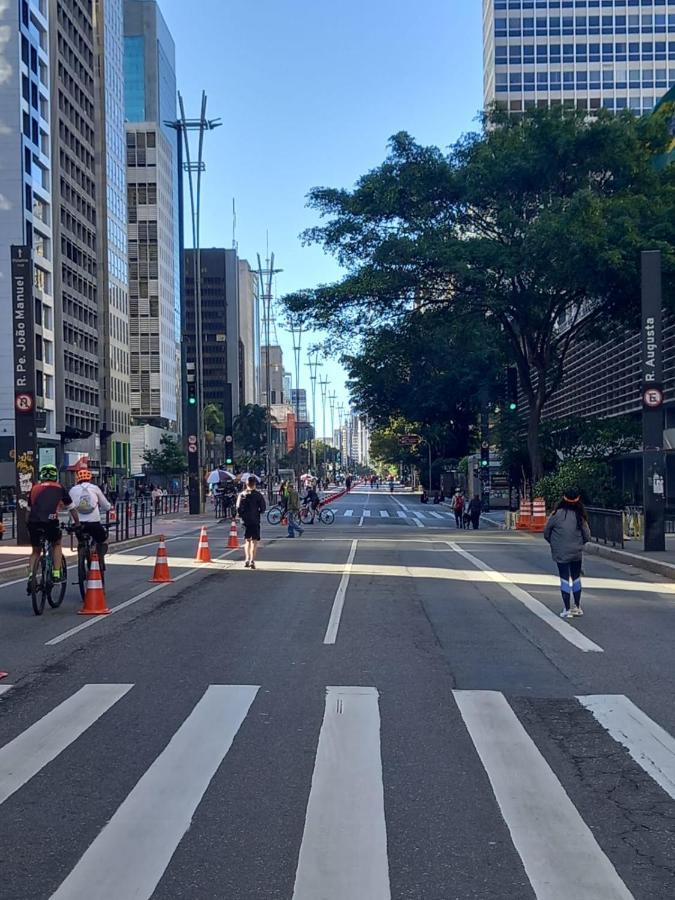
83,475
49,472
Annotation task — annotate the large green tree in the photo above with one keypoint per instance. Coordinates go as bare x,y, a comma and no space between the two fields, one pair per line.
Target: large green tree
250,434
534,226
169,460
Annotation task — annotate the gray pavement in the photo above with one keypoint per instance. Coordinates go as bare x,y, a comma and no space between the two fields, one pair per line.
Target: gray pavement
436,749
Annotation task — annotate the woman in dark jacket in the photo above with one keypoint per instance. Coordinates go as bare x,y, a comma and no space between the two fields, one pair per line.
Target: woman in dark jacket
567,531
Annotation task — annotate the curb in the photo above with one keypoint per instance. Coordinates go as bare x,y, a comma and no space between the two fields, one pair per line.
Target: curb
646,563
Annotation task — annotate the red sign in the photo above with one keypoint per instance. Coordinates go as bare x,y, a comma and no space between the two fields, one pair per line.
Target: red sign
652,397
23,403
192,448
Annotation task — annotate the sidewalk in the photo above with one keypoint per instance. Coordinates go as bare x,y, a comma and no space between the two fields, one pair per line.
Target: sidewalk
634,555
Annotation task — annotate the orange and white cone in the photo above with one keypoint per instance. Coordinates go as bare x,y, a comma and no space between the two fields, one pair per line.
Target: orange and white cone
94,598
233,541
161,574
203,552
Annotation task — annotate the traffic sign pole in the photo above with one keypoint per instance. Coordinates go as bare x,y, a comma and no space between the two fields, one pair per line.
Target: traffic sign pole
653,457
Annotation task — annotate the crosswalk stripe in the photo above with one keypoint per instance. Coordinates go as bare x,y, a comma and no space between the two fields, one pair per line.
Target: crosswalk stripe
418,514
366,513
401,514
384,513
540,816
38,745
131,853
4,688
566,631
344,844
651,746
436,515
348,513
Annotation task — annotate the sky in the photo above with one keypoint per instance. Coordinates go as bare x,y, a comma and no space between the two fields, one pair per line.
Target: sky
309,92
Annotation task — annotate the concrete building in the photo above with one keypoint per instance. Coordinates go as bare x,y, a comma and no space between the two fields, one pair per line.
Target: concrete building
152,201
26,205
299,401
75,223
617,55
111,189
221,345
249,334
276,364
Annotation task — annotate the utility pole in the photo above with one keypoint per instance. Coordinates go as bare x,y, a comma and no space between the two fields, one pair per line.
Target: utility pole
266,276
192,374
331,401
323,384
653,457
313,365
296,328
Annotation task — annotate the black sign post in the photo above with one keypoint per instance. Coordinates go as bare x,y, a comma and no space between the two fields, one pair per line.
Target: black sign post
653,457
25,446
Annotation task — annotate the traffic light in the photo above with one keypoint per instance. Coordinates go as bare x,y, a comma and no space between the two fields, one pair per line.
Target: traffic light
191,380
512,389
192,394
484,455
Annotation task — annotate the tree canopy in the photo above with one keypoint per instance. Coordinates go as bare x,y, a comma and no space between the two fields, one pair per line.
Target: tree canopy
169,460
533,227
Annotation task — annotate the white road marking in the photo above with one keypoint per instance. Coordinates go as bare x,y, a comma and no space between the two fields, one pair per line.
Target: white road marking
401,514
344,845
5,687
384,513
535,606
348,513
38,745
651,746
339,601
120,606
363,512
366,513
418,523
131,853
435,515
541,818
419,514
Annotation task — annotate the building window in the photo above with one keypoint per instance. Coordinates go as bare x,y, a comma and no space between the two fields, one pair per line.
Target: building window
134,78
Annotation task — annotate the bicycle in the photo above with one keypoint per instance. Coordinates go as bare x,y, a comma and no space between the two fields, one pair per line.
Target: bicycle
85,542
275,514
41,579
325,515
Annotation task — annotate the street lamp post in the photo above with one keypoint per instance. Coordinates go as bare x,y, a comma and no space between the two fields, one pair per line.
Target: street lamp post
331,401
295,327
313,364
323,384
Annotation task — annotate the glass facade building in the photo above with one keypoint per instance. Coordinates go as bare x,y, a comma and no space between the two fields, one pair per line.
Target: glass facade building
615,54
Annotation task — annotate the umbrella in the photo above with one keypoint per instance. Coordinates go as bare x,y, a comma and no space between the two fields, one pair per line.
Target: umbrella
246,475
218,476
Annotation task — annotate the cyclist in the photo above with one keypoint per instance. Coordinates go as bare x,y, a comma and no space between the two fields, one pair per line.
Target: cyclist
44,501
89,500
312,500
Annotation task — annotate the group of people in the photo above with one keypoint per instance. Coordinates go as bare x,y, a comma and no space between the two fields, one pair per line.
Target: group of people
467,511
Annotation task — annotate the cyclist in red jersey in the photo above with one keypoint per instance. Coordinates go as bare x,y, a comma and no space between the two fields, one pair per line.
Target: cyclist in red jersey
44,501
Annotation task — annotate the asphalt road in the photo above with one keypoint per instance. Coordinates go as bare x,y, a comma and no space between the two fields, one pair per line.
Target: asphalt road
386,708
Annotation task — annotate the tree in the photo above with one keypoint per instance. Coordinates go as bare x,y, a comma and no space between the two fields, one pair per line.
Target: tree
169,460
250,433
533,227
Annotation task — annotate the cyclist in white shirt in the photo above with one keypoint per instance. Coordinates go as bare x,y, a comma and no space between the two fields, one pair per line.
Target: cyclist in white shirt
88,499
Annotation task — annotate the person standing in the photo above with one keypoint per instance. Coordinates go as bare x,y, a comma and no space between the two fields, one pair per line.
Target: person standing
250,507
292,511
475,509
567,531
458,508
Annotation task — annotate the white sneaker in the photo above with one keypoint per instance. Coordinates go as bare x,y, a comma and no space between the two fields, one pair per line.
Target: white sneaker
577,611
566,614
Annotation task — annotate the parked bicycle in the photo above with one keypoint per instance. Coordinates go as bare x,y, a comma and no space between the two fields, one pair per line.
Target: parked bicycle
42,586
85,544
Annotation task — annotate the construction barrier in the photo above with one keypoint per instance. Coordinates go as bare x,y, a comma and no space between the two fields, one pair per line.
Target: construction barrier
525,515
161,574
538,515
94,598
203,552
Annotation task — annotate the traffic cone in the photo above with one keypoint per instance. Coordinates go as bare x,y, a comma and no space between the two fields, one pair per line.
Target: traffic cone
161,574
4,674
94,598
203,552
233,542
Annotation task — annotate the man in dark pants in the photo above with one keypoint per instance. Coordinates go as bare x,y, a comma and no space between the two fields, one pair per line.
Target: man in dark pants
250,507
475,509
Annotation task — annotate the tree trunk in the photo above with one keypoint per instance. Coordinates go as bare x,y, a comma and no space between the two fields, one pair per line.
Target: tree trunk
533,442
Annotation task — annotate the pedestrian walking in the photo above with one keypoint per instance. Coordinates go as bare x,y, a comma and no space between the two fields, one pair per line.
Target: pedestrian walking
250,507
475,509
458,508
567,531
292,511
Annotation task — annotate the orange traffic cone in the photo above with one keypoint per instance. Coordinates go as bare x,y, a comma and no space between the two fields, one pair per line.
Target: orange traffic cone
161,574
94,598
233,542
203,552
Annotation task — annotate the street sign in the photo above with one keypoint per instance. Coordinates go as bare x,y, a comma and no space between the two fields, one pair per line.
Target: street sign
192,439
228,438
652,397
192,448
408,440
24,403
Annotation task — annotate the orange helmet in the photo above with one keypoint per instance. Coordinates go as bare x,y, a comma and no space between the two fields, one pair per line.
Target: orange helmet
83,475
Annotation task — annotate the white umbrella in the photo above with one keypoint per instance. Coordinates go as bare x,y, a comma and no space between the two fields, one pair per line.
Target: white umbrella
218,476
246,475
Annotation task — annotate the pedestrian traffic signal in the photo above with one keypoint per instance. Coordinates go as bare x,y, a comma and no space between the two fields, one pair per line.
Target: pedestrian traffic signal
192,394
484,455
512,389
228,460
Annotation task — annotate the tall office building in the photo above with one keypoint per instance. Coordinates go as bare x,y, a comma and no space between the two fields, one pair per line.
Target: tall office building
299,402
249,334
26,205
220,326
112,237
616,54
74,222
152,201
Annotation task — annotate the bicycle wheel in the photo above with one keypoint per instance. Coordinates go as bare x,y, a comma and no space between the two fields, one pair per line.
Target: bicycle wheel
305,515
37,586
327,516
58,591
82,569
274,515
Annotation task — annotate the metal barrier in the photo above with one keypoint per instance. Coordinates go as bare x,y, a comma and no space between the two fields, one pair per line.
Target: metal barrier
606,525
7,524
167,504
133,518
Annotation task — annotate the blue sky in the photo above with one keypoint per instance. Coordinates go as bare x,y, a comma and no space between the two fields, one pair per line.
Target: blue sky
309,93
